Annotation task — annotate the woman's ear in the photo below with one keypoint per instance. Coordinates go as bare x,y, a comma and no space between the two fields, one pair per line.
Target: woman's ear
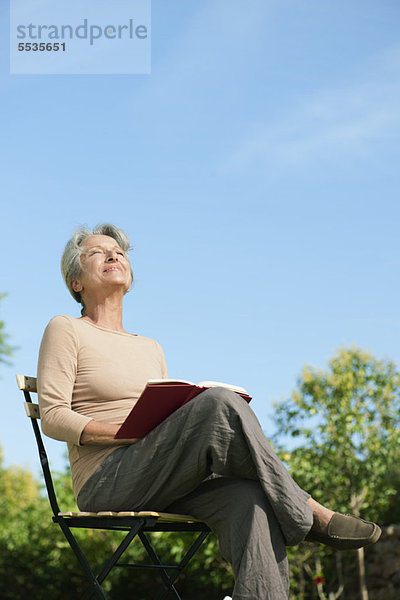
76,285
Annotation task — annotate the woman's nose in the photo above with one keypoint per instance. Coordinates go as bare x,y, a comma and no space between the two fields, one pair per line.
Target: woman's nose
112,256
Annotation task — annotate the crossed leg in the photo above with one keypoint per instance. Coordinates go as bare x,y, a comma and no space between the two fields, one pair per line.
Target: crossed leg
249,535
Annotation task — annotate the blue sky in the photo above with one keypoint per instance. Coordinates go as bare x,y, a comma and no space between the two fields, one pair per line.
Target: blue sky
256,171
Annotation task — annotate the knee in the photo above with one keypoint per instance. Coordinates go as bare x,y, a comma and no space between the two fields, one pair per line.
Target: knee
218,409
220,397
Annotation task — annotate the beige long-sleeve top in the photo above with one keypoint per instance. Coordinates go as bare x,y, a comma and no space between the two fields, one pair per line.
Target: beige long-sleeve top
88,372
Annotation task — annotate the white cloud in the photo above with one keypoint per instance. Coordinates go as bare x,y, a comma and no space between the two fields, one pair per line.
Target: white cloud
333,125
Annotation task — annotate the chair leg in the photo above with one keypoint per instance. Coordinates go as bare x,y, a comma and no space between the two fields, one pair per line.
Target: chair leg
169,580
96,589
115,557
185,560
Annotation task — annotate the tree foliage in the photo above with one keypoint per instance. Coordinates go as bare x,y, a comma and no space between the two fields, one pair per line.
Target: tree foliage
346,422
343,426
5,348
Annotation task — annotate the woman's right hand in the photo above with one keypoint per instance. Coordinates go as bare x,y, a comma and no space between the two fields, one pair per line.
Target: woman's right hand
96,433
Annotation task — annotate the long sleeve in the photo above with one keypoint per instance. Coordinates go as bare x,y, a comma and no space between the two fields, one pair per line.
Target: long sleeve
163,363
56,376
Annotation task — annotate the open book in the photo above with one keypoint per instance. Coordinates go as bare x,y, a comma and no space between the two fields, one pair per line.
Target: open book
160,398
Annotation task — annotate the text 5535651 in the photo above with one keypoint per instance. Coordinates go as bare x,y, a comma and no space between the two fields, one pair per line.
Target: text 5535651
41,47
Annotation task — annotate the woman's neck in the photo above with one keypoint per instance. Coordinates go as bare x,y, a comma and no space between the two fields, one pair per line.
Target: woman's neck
107,314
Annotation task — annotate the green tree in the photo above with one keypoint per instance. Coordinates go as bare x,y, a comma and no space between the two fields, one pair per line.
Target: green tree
5,349
346,423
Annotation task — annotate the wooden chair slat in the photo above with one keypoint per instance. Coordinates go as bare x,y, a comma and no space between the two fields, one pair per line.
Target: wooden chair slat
77,514
28,384
170,517
32,410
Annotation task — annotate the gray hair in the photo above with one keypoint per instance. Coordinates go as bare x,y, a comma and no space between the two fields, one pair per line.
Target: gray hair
71,258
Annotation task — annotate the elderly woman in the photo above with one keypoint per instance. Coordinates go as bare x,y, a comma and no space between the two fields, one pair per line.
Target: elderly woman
209,459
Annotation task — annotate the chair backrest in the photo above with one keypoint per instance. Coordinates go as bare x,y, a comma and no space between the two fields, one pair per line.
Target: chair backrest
28,385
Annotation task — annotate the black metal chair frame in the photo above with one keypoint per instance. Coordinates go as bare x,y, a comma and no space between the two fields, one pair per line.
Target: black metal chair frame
137,526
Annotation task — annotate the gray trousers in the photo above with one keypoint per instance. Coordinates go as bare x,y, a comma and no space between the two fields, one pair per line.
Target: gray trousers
211,459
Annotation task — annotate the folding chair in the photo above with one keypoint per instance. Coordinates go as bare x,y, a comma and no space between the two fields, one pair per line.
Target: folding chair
136,524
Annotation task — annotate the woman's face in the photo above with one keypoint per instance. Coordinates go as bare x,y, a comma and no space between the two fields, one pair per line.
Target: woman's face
104,265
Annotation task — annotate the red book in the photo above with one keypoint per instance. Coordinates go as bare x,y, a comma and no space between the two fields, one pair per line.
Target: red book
159,399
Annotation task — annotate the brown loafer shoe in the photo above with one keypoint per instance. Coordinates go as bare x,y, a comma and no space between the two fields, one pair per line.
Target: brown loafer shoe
347,532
